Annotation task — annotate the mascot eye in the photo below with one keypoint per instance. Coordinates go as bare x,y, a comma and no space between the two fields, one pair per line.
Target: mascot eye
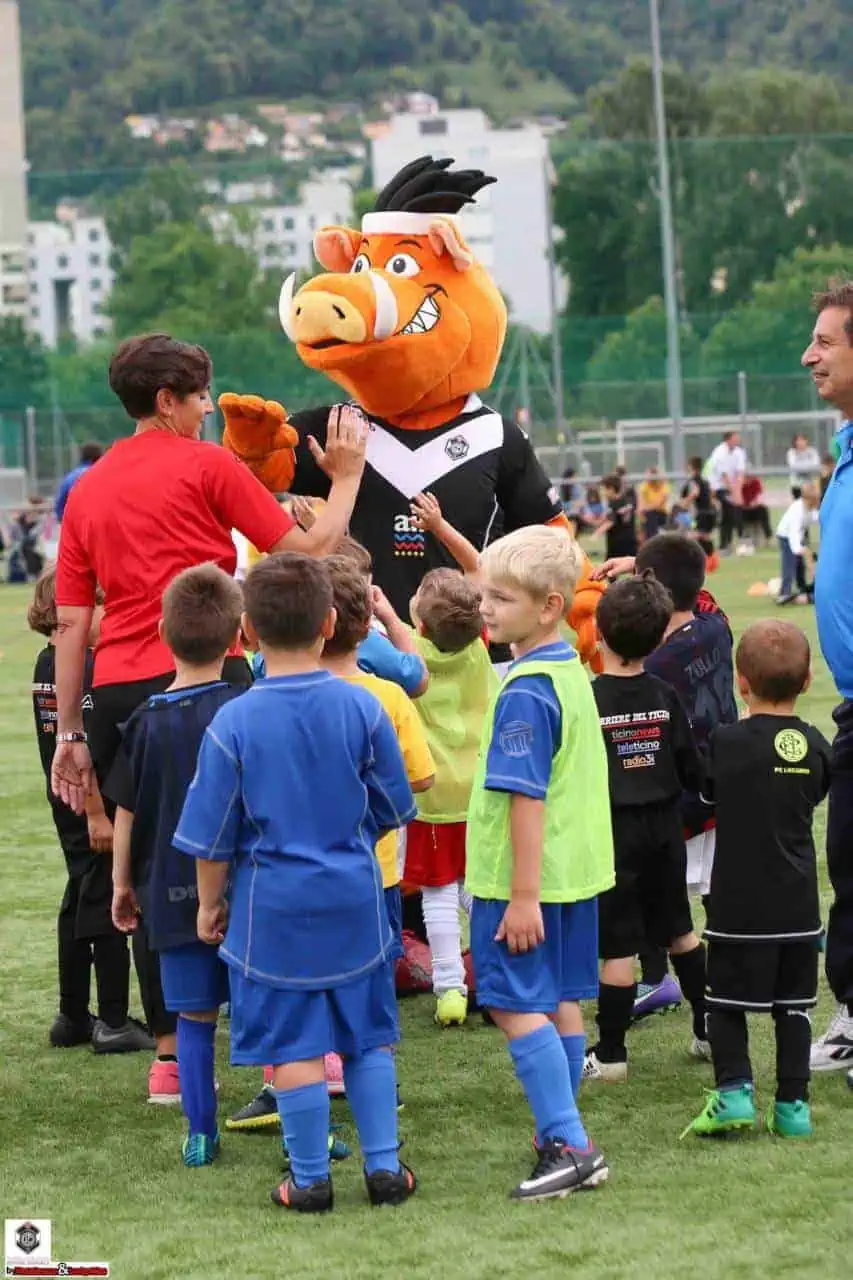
402,264
362,263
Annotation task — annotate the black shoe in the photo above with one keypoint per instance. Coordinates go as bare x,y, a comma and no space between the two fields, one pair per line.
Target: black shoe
260,1113
384,1187
560,1170
65,1033
133,1037
318,1198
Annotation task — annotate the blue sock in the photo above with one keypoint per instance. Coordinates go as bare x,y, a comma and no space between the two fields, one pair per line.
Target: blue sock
305,1124
195,1070
543,1073
574,1047
371,1085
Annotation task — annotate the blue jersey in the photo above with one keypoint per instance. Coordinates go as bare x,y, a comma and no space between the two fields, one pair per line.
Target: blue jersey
150,778
295,782
527,730
696,660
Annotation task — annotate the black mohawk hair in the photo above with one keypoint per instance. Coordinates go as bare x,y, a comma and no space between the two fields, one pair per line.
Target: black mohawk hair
431,186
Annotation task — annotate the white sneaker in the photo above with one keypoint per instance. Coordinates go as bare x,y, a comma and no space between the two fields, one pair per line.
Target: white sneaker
833,1051
610,1072
700,1050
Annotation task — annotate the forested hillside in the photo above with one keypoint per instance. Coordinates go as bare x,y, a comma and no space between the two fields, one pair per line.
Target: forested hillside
90,62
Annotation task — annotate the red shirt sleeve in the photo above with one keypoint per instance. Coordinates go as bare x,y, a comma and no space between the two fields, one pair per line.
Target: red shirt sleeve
75,576
242,502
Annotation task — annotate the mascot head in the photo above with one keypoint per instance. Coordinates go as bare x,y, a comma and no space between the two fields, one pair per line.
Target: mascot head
406,319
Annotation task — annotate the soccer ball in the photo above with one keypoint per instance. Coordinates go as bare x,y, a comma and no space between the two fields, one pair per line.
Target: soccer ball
745,549
774,586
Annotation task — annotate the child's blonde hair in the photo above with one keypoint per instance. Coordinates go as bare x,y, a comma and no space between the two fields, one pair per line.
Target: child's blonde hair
540,559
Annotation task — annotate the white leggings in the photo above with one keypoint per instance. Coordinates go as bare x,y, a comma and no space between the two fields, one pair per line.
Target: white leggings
441,917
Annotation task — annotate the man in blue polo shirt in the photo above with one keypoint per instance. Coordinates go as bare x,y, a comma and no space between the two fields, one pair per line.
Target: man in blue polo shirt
829,358
89,455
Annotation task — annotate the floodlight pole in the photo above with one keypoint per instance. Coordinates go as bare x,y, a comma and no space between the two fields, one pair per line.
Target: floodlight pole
674,389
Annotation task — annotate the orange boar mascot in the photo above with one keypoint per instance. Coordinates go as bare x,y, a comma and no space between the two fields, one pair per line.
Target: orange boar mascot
411,326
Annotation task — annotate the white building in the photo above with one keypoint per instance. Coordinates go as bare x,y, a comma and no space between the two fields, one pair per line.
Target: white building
69,278
507,229
284,234
13,186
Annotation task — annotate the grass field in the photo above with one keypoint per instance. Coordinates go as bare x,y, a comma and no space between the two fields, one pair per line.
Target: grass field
79,1145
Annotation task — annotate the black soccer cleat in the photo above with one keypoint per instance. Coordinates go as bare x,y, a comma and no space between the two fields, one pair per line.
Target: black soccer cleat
561,1169
133,1037
66,1033
384,1187
318,1198
260,1113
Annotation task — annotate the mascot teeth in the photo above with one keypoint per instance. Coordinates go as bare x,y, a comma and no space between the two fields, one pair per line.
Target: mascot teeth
425,318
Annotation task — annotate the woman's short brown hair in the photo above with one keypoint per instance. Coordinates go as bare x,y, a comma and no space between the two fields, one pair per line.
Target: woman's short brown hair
41,614
353,606
155,362
449,610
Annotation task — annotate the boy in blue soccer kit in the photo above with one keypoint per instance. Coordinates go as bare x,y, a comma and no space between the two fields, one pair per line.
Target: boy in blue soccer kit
539,848
305,932
149,783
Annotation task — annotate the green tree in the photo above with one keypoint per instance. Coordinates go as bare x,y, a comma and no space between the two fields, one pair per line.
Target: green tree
181,278
23,364
768,333
637,354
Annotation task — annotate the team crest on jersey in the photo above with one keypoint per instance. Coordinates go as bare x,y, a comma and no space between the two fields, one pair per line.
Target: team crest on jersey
457,448
408,538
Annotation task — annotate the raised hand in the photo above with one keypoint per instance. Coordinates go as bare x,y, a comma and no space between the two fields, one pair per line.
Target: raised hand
346,443
258,433
427,512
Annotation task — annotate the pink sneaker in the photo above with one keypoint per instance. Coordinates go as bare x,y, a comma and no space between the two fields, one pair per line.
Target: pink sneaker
334,1075
268,1075
163,1084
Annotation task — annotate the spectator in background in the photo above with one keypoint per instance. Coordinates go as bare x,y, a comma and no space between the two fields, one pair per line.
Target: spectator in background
792,532
619,523
653,504
827,466
803,461
755,513
89,455
726,469
697,493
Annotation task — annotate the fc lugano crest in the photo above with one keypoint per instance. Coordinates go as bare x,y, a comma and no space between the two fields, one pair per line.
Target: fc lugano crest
457,448
28,1237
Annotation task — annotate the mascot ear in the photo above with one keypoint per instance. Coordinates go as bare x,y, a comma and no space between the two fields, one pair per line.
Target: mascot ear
444,237
335,248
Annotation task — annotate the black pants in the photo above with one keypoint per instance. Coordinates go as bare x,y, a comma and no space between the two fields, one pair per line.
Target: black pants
839,859
108,951
757,517
731,519
729,1039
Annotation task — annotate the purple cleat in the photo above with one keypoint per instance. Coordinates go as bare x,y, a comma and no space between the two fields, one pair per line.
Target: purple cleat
658,998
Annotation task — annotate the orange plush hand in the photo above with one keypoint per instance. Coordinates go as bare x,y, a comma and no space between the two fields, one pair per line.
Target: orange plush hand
257,432
581,617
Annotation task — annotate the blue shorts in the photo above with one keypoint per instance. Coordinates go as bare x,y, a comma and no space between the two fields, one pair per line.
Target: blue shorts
193,978
563,967
394,908
269,1025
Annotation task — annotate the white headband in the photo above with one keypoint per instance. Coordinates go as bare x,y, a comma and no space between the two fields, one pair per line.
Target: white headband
401,223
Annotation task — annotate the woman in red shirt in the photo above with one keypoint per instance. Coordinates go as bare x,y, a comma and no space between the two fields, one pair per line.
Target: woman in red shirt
158,502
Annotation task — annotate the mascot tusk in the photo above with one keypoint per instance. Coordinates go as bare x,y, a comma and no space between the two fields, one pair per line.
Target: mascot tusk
285,303
386,308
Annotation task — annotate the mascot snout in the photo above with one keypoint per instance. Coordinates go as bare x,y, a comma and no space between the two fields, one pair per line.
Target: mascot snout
331,310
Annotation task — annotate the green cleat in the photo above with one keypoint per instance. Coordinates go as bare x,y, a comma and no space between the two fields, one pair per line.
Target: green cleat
338,1149
790,1120
451,1009
198,1149
725,1111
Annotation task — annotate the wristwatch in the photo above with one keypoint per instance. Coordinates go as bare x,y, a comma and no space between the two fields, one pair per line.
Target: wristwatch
76,735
